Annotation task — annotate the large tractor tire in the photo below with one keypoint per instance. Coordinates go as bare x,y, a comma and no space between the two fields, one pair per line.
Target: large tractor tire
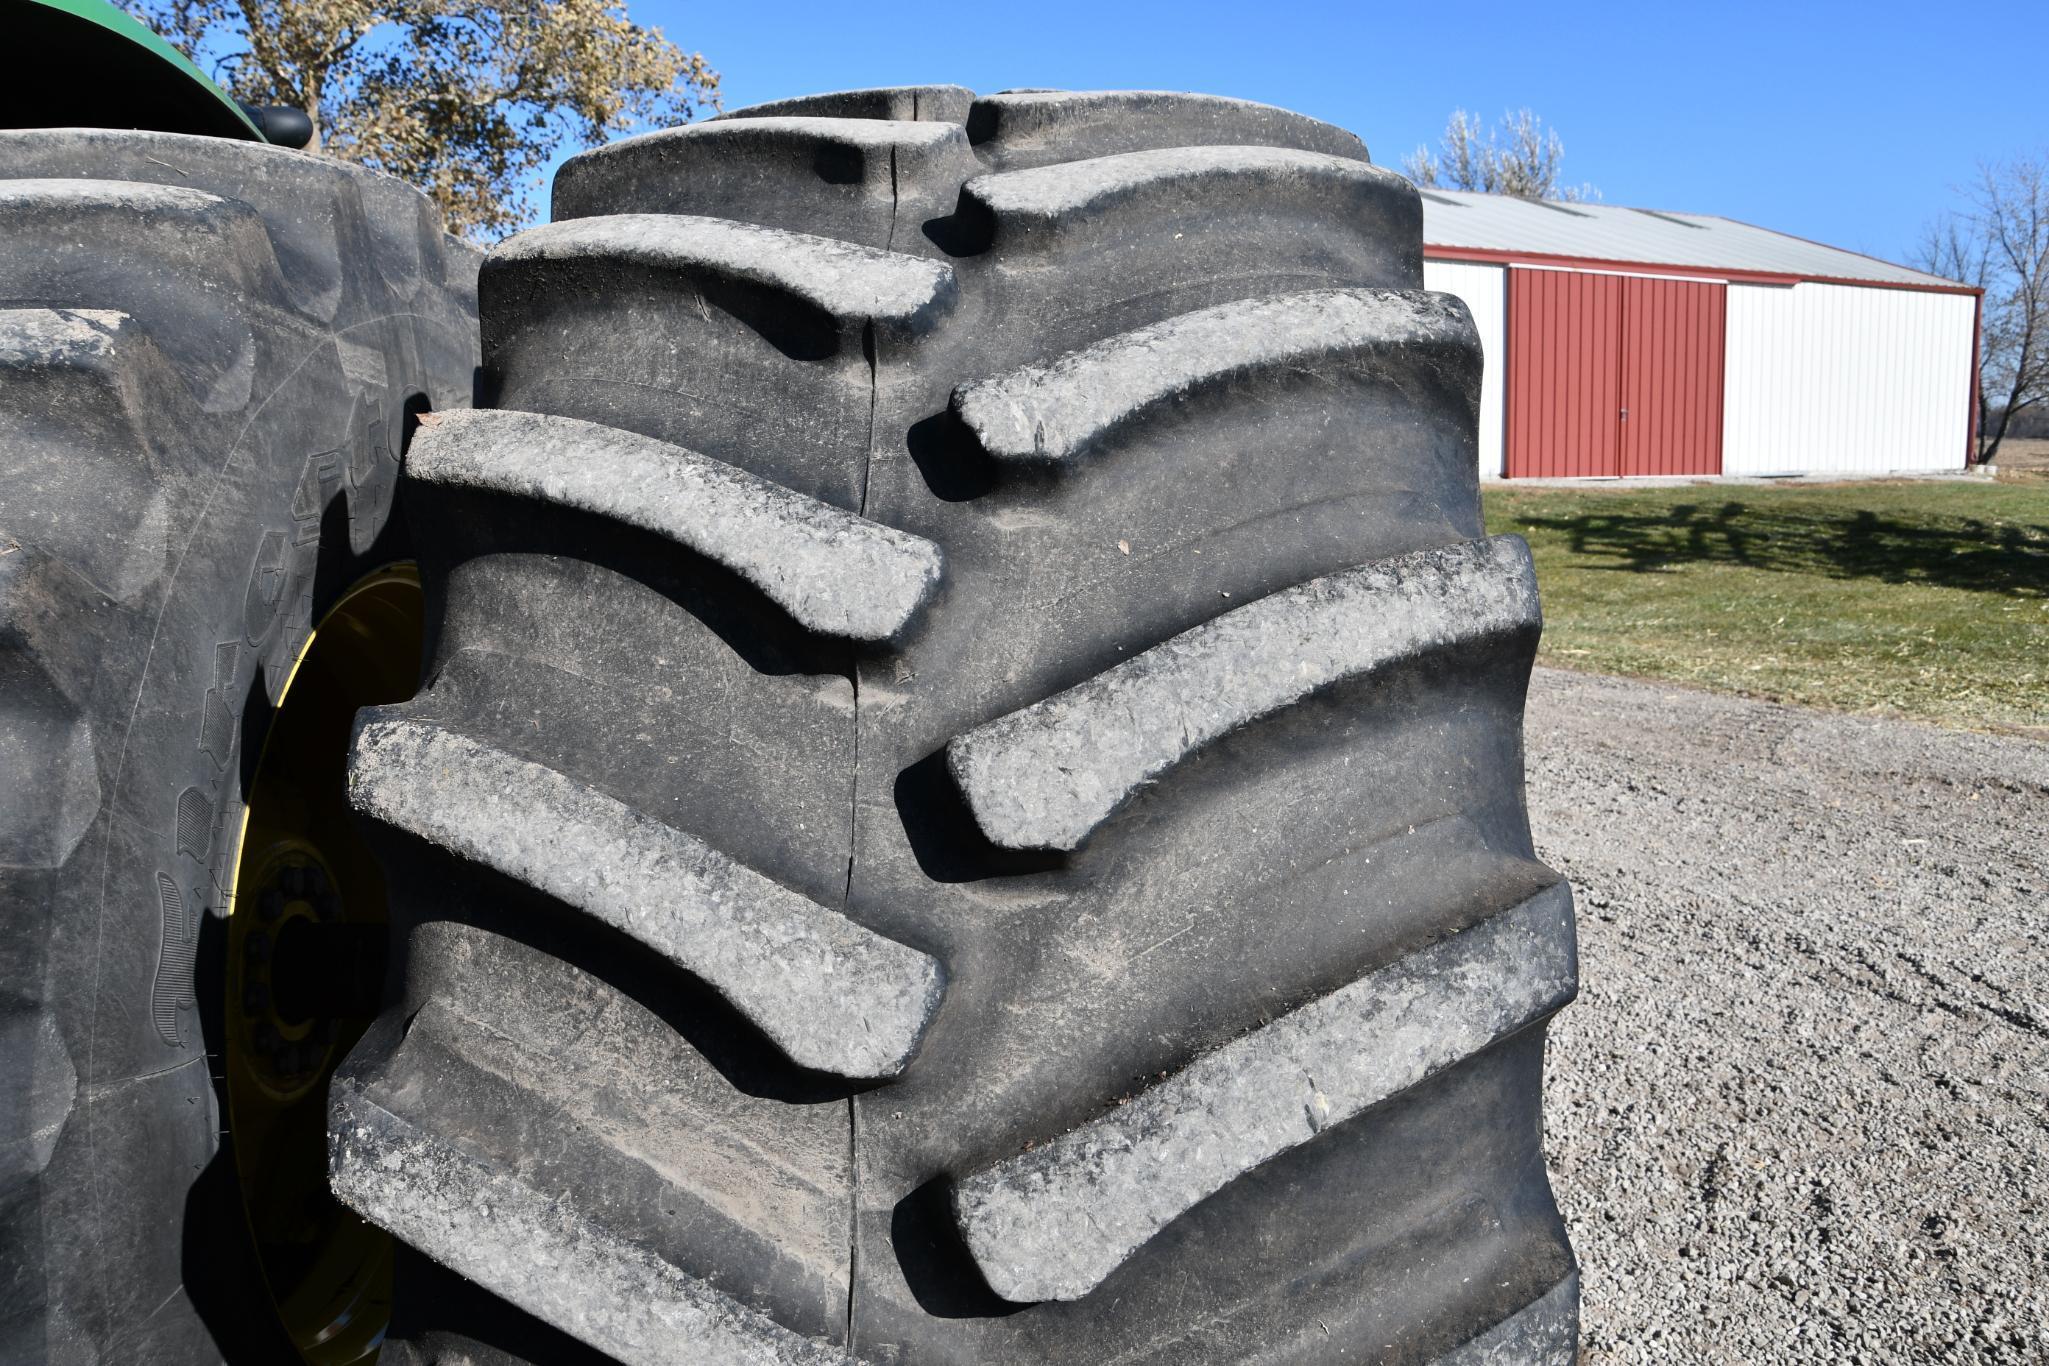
966,802
209,351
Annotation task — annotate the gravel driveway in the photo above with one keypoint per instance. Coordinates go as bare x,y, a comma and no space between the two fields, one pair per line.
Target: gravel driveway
1800,1111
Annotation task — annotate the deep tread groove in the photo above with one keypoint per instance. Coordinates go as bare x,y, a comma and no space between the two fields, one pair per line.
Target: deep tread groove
1048,208
232,236
1048,414
1019,128
831,571
1046,776
839,177
845,286
783,319
91,491
192,248
1039,1225
536,1251
315,212
831,995
940,103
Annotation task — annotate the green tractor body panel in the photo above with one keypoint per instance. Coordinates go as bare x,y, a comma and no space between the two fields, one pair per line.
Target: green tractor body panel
103,68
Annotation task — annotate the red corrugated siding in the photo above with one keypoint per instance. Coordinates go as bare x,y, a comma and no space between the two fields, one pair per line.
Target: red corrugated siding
1564,373
1582,347
1673,340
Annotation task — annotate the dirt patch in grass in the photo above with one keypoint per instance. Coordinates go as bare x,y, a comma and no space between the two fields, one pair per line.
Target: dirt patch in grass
2024,461
1927,599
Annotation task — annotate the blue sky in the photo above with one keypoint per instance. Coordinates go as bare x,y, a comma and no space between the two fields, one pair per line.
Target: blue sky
1847,124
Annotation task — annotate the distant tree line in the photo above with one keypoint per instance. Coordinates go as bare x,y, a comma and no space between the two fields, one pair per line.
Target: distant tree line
1999,241
2031,424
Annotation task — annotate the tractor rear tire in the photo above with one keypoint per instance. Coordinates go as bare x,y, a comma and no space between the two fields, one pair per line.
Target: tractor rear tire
209,352
967,799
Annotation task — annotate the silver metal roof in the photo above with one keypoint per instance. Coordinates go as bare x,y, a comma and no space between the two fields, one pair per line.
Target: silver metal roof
1652,237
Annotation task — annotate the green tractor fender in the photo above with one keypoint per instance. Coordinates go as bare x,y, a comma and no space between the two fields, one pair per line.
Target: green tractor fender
106,69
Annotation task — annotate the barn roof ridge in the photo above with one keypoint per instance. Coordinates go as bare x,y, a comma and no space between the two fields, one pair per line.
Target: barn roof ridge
1468,220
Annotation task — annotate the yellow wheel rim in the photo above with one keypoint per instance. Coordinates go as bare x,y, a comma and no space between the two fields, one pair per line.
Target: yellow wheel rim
306,944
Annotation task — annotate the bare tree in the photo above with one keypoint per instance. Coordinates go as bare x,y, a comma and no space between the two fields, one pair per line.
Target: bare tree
2000,243
468,99
1519,157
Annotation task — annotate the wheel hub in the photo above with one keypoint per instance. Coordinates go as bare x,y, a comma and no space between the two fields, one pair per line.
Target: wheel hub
307,946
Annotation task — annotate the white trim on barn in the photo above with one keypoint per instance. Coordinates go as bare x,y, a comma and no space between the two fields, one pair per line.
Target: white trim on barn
1840,379
1485,291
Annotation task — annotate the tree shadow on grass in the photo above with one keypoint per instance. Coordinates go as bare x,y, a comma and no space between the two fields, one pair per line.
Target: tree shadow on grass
2005,557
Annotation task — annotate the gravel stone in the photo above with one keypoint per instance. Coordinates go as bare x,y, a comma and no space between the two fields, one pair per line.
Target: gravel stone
1801,1111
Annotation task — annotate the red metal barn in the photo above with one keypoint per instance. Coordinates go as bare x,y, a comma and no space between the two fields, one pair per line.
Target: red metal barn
1638,342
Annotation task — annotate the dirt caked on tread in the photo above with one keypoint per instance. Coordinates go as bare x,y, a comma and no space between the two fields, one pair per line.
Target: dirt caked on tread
208,354
1012,570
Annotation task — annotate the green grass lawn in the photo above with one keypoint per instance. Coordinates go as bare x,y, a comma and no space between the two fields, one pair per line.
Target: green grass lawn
1918,598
